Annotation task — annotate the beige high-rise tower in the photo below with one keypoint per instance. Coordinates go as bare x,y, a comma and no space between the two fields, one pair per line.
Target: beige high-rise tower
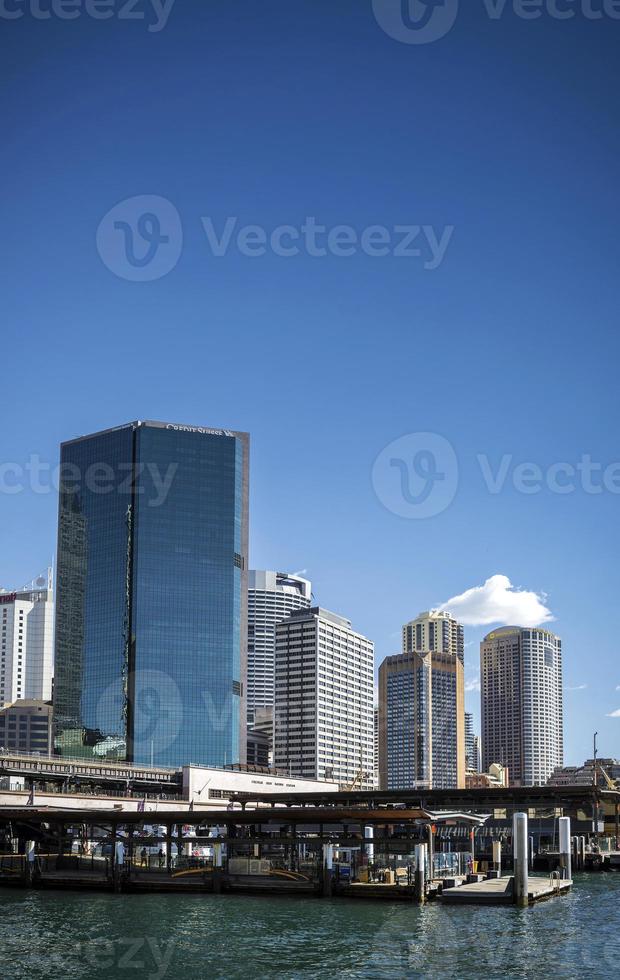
437,631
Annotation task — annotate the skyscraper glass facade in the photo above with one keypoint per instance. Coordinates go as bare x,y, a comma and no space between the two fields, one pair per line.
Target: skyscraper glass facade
151,607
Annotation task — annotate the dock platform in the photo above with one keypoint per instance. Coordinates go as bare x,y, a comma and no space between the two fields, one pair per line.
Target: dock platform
376,890
499,891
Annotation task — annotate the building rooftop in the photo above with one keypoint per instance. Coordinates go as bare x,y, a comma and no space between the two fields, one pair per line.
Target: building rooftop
172,426
317,612
22,703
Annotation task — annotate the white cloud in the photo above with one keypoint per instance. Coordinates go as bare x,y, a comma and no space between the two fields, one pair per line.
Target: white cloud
614,714
499,601
618,687
578,687
472,685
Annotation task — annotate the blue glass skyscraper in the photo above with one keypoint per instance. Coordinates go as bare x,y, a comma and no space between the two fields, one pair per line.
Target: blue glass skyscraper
151,598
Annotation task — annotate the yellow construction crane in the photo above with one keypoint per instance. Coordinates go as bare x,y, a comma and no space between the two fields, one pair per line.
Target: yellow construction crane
611,783
359,778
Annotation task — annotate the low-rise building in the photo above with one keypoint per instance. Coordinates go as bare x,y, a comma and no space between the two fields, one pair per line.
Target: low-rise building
495,778
606,770
25,726
258,748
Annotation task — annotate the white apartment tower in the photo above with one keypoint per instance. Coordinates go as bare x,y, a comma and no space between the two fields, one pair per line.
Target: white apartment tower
324,699
27,643
522,703
272,596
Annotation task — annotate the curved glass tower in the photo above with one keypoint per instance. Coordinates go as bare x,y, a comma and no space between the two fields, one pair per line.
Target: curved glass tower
151,600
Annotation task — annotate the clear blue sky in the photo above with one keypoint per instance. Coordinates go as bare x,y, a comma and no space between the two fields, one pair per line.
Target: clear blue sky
274,111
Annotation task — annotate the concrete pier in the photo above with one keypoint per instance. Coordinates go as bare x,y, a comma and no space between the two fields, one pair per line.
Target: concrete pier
497,857
420,872
360,848
521,860
501,891
565,852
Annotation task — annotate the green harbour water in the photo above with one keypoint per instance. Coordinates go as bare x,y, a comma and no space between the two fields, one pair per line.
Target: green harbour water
85,935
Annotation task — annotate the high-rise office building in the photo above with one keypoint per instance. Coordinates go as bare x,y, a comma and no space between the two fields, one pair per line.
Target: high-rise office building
152,595
272,596
324,699
376,745
477,754
469,738
522,703
421,721
27,642
405,722
448,721
436,631
472,745
422,706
